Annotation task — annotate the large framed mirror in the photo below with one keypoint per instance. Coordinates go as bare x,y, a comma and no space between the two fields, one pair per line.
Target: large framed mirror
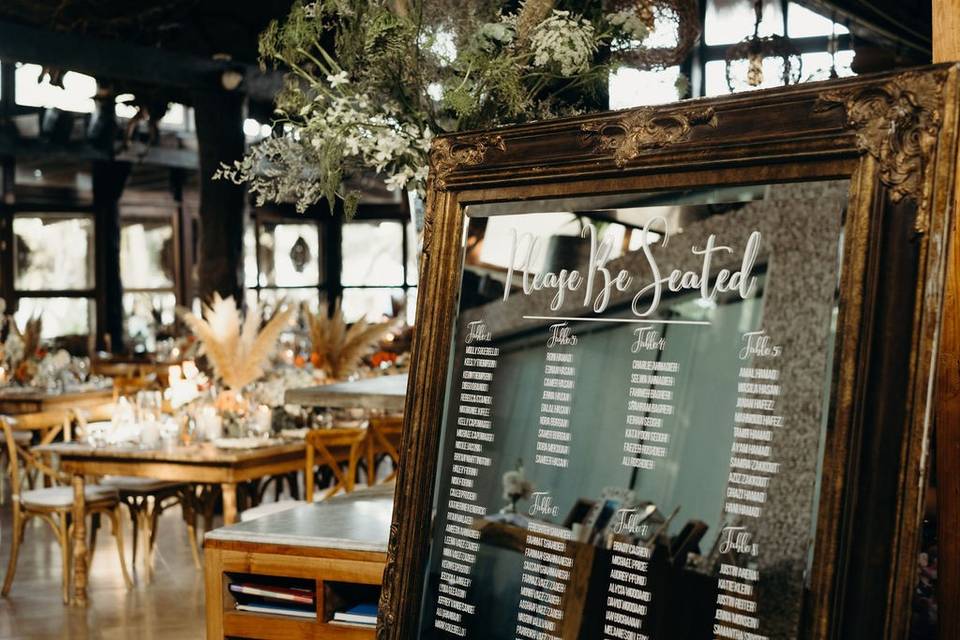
673,370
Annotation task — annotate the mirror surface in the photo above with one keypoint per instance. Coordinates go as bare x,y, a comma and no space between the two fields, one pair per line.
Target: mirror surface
635,416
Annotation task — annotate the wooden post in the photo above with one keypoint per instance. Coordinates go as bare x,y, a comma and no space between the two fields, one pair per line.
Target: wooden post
109,179
183,232
8,87
946,48
219,117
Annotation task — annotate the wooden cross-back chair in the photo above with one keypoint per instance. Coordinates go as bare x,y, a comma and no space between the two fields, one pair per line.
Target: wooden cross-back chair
24,438
332,448
52,504
383,437
146,499
44,427
327,451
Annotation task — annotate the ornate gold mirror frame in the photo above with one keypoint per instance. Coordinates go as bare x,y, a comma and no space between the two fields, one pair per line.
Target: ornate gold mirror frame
894,137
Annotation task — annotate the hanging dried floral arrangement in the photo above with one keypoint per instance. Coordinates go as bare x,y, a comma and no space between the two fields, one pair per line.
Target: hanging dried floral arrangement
370,83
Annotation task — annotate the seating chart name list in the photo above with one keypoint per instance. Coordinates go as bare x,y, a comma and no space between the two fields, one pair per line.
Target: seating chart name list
474,432
751,470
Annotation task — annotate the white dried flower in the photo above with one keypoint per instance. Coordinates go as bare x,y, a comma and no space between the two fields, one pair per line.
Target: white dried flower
630,23
564,41
338,79
682,85
491,35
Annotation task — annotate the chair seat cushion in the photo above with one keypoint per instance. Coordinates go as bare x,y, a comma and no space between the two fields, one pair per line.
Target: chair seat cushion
63,496
133,484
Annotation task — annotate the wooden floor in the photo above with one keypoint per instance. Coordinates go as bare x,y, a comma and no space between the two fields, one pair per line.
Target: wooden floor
170,607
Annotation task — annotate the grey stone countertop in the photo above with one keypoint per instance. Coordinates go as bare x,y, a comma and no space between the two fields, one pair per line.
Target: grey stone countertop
387,393
359,521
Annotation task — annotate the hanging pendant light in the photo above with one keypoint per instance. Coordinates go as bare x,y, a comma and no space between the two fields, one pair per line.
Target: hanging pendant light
300,254
762,61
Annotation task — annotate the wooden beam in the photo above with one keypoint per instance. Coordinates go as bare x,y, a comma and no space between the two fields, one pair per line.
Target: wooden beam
31,147
897,23
110,59
946,48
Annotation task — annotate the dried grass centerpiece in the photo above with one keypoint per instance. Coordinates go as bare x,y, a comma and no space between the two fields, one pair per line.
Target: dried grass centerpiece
236,347
20,351
337,348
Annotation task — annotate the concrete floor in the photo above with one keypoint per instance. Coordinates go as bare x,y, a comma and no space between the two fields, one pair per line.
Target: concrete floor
169,607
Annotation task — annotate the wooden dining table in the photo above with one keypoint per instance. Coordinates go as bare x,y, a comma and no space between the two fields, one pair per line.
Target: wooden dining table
201,463
19,401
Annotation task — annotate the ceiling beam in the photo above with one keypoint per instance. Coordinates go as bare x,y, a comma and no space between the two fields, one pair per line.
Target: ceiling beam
906,23
132,63
73,151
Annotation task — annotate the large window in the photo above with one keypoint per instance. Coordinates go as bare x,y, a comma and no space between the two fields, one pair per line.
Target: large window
283,260
379,274
148,274
825,47
53,271
369,264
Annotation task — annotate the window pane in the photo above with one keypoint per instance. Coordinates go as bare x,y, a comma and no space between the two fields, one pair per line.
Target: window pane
53,252
716,78
772,73
147,315
61,316
271,298
635,88
411,306
146,255
76,95
495,248
816,66
289,255
372,253
413,248
716,74
252,298
372,304
801,23
729,21
249,257
175,118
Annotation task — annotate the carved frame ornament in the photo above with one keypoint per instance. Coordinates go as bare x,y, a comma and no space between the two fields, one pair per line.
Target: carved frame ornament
447,156
897,123
644,130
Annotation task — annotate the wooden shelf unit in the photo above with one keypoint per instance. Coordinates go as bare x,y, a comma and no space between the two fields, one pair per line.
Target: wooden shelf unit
227,561
305,546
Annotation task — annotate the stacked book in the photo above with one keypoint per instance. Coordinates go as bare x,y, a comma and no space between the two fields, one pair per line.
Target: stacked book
364,614
283,601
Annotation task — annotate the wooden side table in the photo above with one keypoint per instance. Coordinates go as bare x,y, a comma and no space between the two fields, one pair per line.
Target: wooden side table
336,547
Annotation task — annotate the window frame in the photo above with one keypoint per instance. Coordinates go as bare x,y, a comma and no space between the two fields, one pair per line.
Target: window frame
258,216
8,272
695,66
406,251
